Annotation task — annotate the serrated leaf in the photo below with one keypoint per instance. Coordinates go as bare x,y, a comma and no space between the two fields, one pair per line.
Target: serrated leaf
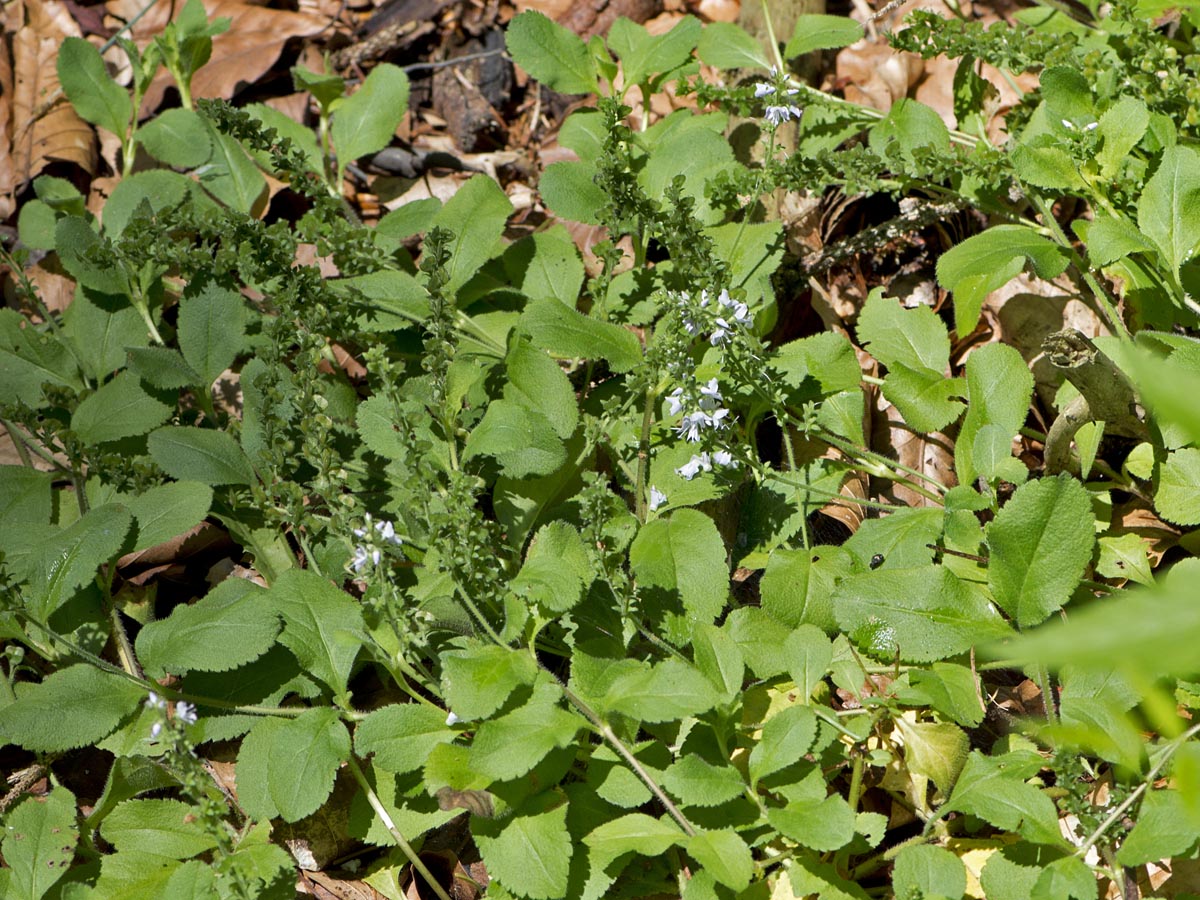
87,704
808,653
786,737
155,189
160,367
1168,209
915,338
718,656
167,828
546,264
632,833
698,783
75,240
556,569
902,538
25,496
928,871
727,46
118,410
927,401
1039,544
551,54
757,633
231,176
522,440
683,556
476,214
1167,826
536,382
822,825
936,750
569,334
529,853
1121,128
569,189
988,261
70,558
306,754
254,756
40,836
923,614
366,121
1063,878
673,689
102,336
86,82
950,689
508,747
1125,557
169,510
1177,491
1109,239
821,32
993,789
478,681
798,584
1047,167
999,385
724,855
401,735
200,454
229,627
211,325
322,626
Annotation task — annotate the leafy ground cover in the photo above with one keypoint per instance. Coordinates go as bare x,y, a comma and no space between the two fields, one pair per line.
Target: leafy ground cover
755,486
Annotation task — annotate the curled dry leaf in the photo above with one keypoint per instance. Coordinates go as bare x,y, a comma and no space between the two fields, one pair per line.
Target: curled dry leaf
45,127
241,55
876,75
930,454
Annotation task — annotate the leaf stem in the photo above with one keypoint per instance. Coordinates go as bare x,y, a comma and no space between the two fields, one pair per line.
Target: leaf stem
405,847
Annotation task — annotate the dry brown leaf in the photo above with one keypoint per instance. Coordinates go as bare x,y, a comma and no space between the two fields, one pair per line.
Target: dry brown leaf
875,75
930,454
241,55
8,172
45,127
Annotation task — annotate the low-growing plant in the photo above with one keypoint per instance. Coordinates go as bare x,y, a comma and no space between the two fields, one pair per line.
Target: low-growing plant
493,575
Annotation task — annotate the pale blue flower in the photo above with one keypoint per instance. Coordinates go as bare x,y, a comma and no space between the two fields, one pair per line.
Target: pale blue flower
185,712
675,401
694,466
657,498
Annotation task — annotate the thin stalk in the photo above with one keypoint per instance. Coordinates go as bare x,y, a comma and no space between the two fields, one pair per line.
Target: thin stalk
22,439
405,847
643,463
771,36
18,444
791,458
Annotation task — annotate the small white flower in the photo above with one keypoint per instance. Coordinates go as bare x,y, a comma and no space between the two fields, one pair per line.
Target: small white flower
451,720
1092,126
715,420
657,498
361,555
387,531
710,395
722,458
704,297
721,333
777,115
1068,124
690,425
185,712
675,401
155,730
694,466
156,702
762,89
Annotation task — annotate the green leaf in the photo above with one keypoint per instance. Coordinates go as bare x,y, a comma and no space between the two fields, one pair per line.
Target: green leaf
994,789
1167,826
915,338
999,385
937,750
392,299
1109,239
683,556
991,455
536,382
118,410
529,853
556,569
95,96
322,626
1067,95
200,454
822,825
757,633
988,261
820,32
1066,877
69,560
569,334
232,177
569,189
325,89
1039,544
305,757
673,689
1168,211
477,682
924,614
254,758
901,538
632,833
159,367
157,189
928,871
724,855
727,46
366,121
25,496
177,137
211,326
798,584
698,783
1049,167
718,656
643,54
87,704
950,689
521,439
1125,557
229,627
169,510
401,735
695,152
1177,489
302,137
40,836
76,240
167,828
545,264
927,401
808,653
512,745
786,737
551,54
476,214
1121,128
910,125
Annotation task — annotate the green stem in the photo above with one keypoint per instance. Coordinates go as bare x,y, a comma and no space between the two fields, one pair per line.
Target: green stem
771,36
18,444
643,465
405,847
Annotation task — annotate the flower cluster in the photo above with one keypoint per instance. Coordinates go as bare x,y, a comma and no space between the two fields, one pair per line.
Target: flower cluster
729,314
369,550
778,114
709,415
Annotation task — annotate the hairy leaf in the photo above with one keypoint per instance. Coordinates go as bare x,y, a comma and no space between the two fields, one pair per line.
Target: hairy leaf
551,54
401,735
71,708
167,828
529,853
322,626
39,842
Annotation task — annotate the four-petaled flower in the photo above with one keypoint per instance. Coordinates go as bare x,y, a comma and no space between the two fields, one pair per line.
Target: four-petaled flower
185,712
690,426
701,462
675,401
657,498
